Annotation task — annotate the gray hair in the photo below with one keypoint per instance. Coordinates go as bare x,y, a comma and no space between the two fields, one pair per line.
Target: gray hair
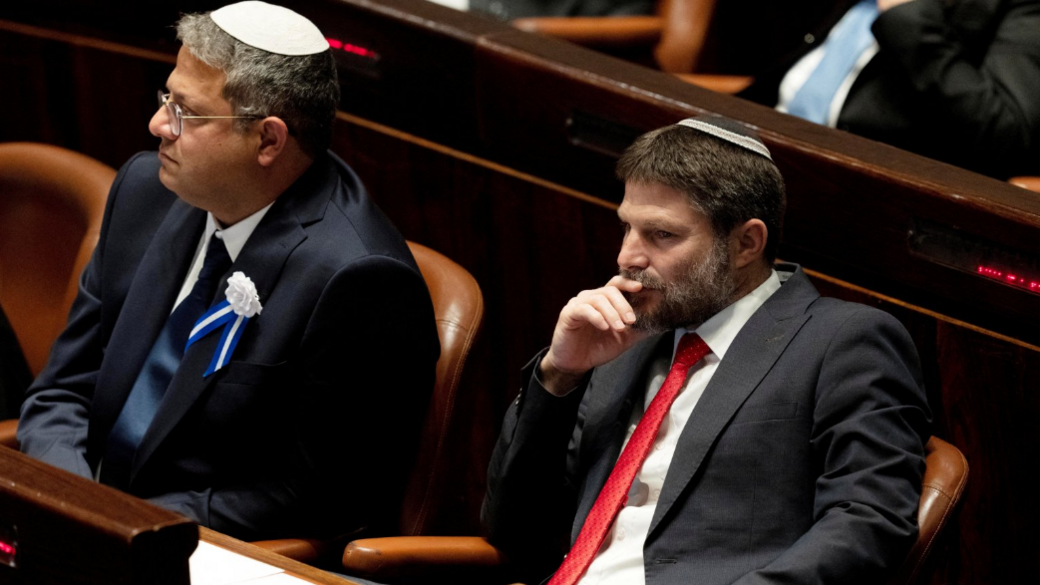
727,183
301,90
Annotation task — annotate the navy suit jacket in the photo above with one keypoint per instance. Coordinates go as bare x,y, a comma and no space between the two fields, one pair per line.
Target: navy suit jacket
801,463
259,448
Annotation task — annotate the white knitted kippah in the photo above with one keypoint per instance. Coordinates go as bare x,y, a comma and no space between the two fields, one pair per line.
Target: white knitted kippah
728,130
270,28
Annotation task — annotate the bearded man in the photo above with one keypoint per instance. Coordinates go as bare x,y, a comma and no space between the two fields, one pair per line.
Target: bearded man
706,417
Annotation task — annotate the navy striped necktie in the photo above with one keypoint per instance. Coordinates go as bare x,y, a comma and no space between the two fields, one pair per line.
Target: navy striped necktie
159,368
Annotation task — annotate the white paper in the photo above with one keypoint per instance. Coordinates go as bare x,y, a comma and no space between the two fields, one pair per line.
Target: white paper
212,565
279,579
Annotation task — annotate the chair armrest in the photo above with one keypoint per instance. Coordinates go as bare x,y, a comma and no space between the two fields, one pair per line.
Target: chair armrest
407,556
8,433
727,84
1031,183
598,31
304,550
320,552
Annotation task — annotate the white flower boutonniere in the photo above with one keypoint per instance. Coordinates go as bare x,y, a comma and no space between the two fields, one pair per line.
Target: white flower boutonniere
242,296
242,304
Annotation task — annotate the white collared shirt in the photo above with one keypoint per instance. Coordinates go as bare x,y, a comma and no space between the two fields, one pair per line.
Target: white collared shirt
620,559
234,239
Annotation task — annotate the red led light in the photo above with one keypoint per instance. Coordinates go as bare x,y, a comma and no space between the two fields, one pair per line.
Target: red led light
6,548
353,49
1010,278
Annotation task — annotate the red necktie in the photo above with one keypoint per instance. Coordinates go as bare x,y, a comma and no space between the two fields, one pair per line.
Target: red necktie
614,494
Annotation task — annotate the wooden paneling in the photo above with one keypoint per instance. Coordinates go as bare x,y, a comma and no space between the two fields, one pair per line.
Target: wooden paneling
72,531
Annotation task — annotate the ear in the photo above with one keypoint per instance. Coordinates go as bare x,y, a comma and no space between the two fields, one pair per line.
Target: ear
274,138
749,242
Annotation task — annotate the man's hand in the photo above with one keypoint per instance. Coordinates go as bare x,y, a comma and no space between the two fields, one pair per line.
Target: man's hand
884,5
594,328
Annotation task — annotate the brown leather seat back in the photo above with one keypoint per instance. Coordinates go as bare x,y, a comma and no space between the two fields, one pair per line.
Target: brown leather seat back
1031,183
458,307
51,204
945,476
683,34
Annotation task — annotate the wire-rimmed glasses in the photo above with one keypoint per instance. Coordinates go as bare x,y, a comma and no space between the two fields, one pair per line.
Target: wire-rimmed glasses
177,116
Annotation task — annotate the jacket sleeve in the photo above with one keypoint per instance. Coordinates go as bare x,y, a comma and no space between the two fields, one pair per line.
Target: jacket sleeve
870,426
56,410
532,489
987,92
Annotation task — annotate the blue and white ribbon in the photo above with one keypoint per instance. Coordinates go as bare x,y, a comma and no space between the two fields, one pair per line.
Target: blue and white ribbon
220,314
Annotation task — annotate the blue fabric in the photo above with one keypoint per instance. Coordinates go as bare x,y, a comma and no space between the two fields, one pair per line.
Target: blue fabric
842,49
150,386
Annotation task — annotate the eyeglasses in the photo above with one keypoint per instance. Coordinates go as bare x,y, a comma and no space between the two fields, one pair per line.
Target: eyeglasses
177,116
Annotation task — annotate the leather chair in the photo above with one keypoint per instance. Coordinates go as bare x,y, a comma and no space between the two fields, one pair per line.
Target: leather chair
51,204
458,307
391,560
674,35
1031,183
9,433
945,477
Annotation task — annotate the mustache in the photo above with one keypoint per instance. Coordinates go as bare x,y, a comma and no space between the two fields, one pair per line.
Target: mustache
648,280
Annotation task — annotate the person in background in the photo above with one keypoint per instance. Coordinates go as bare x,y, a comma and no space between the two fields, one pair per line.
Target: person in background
952,80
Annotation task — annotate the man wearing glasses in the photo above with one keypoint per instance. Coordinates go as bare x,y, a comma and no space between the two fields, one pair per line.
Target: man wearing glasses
235,330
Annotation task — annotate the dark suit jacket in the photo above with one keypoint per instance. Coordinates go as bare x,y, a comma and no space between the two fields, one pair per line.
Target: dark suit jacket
801,463
259,448
955,81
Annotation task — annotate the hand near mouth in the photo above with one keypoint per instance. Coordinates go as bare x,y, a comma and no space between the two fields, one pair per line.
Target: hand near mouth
593,328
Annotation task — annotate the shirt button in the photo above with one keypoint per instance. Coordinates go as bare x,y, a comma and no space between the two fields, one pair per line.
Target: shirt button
621,534
655,494
810,39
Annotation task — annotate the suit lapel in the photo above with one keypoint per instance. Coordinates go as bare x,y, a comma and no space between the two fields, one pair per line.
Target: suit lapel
754,351
149,300
262,260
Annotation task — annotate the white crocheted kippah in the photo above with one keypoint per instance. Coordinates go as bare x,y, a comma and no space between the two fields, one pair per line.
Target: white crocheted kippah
270,28
728,130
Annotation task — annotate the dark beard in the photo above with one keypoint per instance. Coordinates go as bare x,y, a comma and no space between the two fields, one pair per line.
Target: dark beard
702,290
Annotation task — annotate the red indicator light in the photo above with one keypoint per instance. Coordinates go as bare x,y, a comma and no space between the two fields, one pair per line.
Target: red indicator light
8,554
353,49
1010,278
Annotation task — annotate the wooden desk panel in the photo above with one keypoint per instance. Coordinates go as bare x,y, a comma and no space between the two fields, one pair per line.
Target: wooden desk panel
68,530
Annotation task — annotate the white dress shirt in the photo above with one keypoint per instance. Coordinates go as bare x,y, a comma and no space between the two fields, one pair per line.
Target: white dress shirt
620,559
234,239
